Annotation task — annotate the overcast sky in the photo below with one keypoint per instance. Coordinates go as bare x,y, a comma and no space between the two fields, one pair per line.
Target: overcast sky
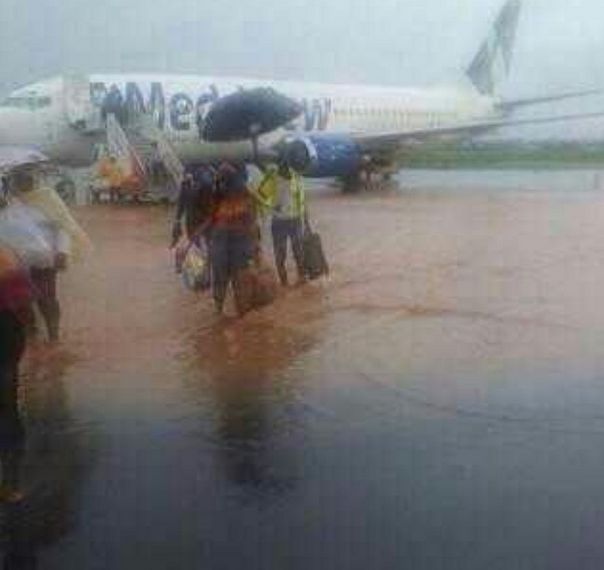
398,42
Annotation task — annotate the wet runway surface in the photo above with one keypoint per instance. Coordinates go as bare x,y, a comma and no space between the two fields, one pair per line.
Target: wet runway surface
437,403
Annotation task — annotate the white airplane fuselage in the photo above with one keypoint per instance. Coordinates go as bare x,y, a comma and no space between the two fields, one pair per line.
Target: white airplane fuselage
57,115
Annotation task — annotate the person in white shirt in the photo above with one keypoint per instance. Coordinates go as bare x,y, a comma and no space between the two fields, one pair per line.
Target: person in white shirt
44,272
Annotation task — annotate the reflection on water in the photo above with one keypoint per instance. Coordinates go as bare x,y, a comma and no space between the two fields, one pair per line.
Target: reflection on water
354,424
248,379
244,434
43,460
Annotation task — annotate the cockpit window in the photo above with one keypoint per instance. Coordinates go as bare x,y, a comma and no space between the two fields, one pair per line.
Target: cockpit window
27,102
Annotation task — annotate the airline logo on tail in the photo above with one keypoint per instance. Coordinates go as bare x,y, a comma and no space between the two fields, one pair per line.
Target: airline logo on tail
493,60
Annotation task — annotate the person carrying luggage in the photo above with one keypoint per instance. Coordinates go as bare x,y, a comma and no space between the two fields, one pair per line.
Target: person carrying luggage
282,193
194,204
233,231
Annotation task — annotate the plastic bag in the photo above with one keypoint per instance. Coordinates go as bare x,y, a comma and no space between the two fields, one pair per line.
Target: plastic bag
20,233
180,253
50,204
195,269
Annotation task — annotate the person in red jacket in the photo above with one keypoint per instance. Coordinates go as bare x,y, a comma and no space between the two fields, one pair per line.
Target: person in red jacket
233,230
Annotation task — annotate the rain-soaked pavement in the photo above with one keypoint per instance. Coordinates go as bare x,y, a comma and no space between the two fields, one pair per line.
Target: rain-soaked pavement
438,403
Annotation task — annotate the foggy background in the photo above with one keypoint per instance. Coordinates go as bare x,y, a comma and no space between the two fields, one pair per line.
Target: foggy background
391,42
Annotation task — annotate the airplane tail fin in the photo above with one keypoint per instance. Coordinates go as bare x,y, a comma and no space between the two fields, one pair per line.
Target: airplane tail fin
493,60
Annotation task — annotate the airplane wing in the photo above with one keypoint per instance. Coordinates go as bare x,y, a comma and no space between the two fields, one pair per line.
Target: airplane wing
510,106
383,141
16,156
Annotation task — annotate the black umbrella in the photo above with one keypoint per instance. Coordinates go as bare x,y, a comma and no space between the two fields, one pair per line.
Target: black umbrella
247,114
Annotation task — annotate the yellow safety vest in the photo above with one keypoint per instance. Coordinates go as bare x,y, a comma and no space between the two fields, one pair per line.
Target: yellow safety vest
266,194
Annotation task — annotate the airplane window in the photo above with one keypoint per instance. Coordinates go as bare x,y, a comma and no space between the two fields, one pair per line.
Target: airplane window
31,103
18,102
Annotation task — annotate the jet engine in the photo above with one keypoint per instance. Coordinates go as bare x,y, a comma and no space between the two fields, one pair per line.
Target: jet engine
323,156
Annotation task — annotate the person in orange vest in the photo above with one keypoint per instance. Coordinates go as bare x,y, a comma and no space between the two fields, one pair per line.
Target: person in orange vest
109,169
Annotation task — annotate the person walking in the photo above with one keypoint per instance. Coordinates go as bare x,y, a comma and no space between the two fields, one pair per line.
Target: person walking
60,231
283,195
233,231
113,104
194,204
15,300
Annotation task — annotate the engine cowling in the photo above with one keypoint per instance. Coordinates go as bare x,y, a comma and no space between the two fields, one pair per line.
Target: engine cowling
317,156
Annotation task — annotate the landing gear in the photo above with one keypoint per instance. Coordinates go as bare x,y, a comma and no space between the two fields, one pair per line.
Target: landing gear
352,184
66,188
366,179
360,180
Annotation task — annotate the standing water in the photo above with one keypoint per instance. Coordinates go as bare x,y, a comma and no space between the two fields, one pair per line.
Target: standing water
435,403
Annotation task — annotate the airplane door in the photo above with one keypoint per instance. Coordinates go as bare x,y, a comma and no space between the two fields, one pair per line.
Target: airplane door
81,112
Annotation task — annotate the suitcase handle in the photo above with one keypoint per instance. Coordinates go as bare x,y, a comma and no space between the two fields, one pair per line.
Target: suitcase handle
307,226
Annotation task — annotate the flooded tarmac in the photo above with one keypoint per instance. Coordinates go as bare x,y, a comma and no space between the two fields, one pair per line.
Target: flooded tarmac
437,403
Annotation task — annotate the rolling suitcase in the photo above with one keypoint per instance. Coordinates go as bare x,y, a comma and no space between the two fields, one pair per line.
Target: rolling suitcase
315,263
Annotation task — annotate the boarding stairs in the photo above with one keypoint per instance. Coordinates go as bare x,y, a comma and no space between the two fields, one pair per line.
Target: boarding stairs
142,143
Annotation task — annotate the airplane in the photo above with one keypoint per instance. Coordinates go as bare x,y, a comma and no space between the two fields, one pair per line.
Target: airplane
336,130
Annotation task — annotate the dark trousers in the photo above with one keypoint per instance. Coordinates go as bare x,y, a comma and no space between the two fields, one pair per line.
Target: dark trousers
230,251
283,230
12,345
45,286
115,194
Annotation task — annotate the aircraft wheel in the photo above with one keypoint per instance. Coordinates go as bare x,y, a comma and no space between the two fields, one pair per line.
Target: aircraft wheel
352,184
66,189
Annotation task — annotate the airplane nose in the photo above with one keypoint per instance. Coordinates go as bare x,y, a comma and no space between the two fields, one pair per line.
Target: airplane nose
13,127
